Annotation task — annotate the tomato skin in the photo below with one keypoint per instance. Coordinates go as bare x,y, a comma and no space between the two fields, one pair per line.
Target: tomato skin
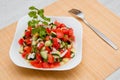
68,54
38,57
48,30
65,31
28,41
52,65
48,49
62,25
27,49
50,58
40,46
36,63
59,33
29,28
56,23
21,41
45,65
70,32
56,43
24,54
27,33
56,64
47,38
73,37
65,38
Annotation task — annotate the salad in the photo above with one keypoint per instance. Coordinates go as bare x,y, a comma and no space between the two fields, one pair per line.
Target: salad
46,44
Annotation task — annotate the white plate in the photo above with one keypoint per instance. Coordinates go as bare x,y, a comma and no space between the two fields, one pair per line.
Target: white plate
70,22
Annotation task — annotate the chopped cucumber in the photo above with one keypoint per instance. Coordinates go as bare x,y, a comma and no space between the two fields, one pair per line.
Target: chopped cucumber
53,34
56,55
53,26
48,43
21,49
62,44
34,38
44,54
65,60
43,49
34,42
69,46
62,63
72,55
56,52
39,39
73,50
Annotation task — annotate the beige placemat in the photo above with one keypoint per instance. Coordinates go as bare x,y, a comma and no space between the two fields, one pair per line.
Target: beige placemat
99,59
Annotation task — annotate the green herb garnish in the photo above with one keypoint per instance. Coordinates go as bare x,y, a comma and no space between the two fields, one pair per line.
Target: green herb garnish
36,14
41,31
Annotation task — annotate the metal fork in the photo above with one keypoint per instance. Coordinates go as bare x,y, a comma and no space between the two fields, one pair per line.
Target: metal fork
80,15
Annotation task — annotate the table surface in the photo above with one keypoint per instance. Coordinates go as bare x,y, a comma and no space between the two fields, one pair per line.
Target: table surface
99,59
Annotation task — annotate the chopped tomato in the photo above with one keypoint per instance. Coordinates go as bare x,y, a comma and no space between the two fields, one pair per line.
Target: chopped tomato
70,32
33,62
36,63
47,38
62,25
61,51
45,65
65,38
65,31
48,30
40,45
67,55
50,58
21,41
56,64
27,33
28,41
27,49
48,49
73,37
59,33
38,57
56,43
52,65
55,40
56,23
24,54
29,28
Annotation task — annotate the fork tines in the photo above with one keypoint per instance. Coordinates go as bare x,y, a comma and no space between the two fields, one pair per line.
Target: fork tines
74,11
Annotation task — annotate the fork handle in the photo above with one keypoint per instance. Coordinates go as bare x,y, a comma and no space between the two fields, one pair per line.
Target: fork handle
101,35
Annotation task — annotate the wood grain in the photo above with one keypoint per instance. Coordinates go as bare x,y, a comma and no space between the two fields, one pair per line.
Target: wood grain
99,59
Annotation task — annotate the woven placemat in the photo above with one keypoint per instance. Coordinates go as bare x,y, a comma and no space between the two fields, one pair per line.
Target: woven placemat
99,59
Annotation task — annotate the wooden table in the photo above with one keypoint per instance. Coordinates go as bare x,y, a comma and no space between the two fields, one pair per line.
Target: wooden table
99,59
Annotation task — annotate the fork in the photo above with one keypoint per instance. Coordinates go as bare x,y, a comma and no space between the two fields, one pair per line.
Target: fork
79,14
